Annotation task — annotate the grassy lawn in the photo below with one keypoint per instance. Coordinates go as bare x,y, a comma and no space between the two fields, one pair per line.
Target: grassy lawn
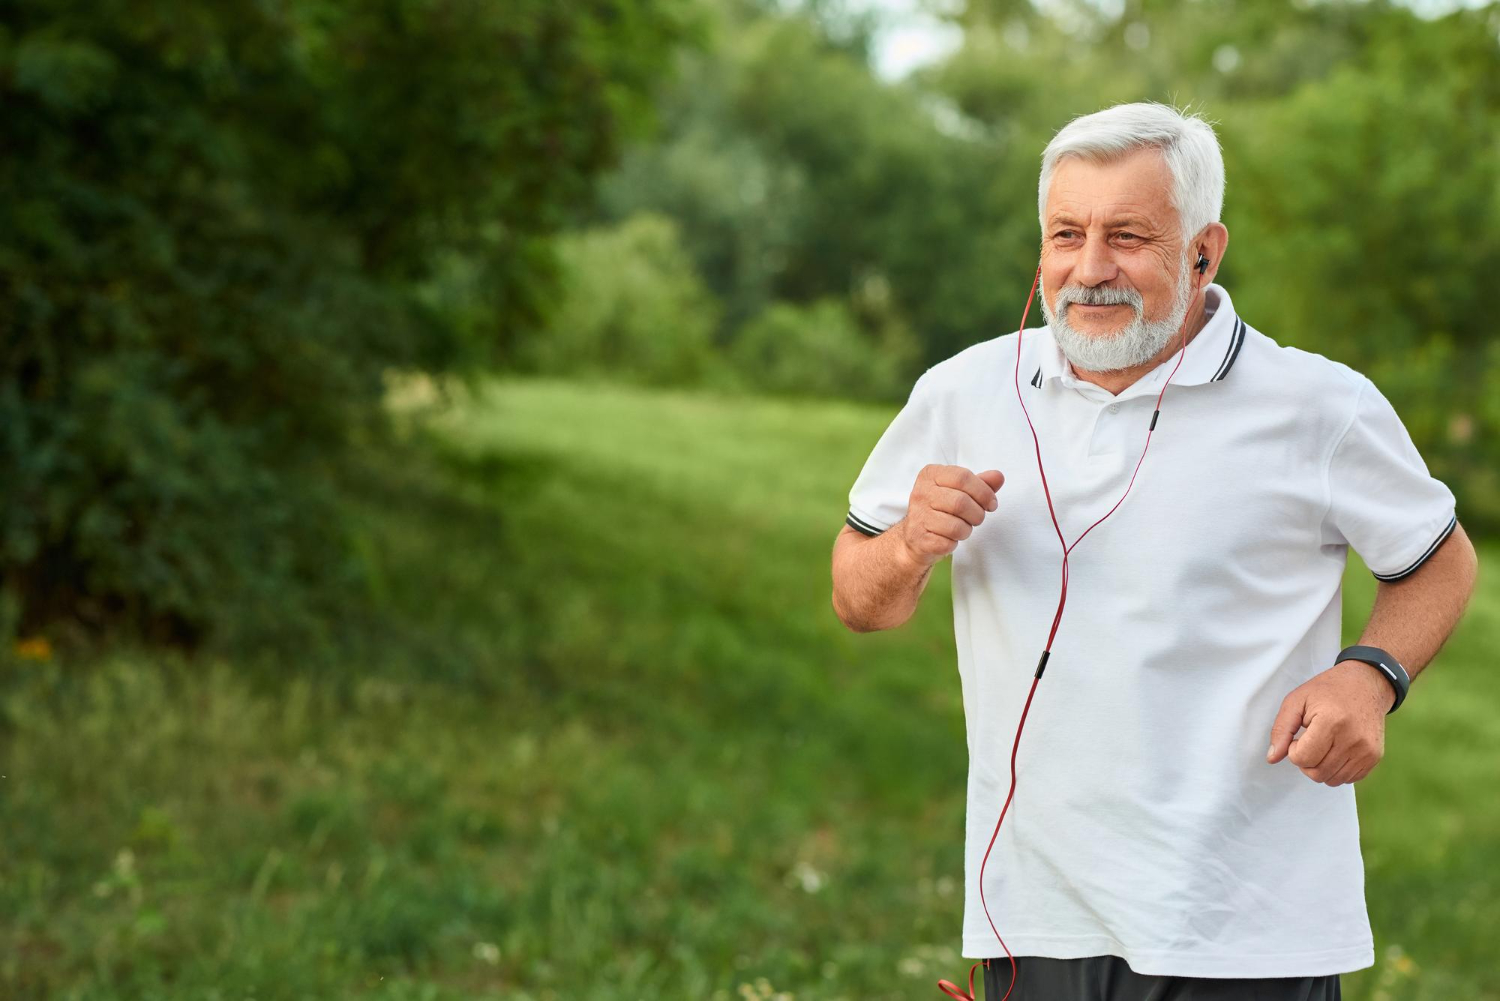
595,731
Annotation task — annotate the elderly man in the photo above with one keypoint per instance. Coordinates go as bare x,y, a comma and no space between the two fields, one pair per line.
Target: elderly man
1183,819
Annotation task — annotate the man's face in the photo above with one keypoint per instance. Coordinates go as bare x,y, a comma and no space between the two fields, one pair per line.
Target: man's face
1111,235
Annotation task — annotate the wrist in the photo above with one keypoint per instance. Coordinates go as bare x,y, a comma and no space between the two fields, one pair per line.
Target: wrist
1379,685
908,556
1386,666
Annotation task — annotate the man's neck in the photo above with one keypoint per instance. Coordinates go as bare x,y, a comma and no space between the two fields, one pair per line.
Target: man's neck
1122,379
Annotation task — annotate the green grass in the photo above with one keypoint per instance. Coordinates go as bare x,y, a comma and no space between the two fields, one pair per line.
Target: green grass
595,731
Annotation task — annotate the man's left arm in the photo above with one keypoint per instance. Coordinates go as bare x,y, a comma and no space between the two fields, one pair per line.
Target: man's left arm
1344,707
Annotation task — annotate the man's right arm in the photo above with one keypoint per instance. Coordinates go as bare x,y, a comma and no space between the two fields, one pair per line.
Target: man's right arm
877,580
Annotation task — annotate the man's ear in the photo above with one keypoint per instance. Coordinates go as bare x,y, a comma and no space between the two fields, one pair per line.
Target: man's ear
1211,243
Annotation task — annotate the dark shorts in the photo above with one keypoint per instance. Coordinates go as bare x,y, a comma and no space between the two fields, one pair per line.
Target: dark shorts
1110,978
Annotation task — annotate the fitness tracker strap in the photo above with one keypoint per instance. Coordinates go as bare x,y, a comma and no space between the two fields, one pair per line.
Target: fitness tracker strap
1387,665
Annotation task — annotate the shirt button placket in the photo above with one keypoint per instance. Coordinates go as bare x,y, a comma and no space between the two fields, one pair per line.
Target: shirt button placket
1115,434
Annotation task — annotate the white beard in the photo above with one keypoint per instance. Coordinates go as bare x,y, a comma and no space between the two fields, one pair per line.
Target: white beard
1139,341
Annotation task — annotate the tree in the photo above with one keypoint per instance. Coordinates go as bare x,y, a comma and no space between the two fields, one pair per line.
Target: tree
220,226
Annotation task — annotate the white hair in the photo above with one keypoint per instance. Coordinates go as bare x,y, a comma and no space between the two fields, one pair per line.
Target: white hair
1187,143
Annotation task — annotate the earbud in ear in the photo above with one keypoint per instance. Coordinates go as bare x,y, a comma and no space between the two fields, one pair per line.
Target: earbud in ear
1202,264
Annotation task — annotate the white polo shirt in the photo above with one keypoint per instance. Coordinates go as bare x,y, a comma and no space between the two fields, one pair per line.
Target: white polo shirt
1146,822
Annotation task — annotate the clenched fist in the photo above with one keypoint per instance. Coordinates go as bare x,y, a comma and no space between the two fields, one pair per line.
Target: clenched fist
946,504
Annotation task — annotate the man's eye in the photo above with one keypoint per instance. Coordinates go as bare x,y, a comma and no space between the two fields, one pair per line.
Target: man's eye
1130,235
1065,234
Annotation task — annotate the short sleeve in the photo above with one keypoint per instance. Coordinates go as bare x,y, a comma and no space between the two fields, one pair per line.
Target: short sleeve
1381,499
880,493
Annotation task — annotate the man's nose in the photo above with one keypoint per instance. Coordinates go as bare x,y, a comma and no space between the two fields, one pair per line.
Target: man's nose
1095,264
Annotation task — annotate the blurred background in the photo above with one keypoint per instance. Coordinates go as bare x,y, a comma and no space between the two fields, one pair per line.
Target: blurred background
424,425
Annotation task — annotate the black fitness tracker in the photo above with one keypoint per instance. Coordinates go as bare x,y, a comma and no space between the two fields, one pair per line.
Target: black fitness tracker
1385,664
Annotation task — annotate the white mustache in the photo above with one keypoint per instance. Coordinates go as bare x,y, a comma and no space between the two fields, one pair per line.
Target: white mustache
1086,296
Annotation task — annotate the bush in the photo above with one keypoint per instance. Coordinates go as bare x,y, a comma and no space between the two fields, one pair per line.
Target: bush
632,307
821,350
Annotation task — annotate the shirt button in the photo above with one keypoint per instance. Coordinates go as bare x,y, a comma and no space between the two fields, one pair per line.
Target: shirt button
1114,408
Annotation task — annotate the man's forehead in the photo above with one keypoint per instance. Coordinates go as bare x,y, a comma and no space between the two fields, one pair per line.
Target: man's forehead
1134,188
1124,213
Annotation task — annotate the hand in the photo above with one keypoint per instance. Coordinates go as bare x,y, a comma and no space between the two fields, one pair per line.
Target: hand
1344,712
946,504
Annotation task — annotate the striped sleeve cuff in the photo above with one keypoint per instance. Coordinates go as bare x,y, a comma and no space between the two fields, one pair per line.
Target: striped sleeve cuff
1409,568
860,525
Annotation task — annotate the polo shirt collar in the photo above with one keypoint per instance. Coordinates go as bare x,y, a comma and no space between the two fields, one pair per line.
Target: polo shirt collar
1209,357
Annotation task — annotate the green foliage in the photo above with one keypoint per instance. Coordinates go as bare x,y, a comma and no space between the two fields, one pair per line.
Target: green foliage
820,350
221,224
796,176
1362,233
633,307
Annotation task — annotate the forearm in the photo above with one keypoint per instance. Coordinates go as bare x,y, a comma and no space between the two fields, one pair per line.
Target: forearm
877,581
1413,617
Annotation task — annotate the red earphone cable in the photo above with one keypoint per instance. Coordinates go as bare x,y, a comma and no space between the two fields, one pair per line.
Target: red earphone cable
947,986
